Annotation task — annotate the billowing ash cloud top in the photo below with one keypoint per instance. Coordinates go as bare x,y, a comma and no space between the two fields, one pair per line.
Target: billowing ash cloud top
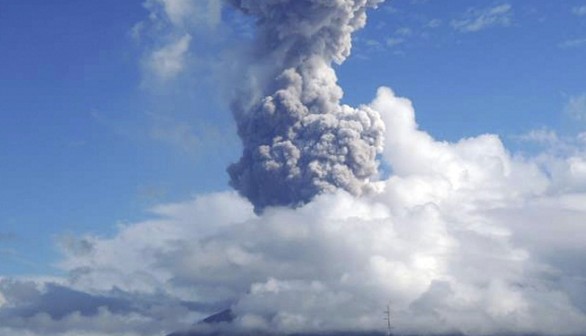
299,141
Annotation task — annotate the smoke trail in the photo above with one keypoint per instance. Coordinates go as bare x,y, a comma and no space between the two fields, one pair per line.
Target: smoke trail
298,140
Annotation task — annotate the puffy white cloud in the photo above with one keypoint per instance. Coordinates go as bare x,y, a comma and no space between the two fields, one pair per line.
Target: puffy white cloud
478,19
462,237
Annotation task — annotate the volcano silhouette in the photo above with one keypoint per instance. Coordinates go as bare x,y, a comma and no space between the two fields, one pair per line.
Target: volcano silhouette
227,316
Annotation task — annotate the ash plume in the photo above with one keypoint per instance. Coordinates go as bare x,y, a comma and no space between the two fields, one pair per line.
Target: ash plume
299,140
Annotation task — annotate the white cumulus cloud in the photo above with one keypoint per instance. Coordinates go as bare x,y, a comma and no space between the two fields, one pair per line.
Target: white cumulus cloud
464,237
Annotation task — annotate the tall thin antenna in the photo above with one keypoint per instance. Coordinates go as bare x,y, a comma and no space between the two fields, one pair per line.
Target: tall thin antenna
388,319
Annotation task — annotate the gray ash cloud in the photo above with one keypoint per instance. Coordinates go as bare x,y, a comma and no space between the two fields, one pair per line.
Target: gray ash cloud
299,140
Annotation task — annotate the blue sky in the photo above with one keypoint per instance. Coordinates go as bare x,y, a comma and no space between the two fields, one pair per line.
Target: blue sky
90,138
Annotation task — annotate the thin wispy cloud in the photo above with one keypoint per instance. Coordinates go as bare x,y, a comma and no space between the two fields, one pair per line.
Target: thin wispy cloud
186,12
434,23
168,61
390,9
576,107
175,133
400,36
394,41
167,35
554,146
374,45
575,43
404,31
542,136
579,10
475,20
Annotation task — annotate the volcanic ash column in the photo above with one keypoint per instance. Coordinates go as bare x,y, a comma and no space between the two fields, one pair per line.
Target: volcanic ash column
298,140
